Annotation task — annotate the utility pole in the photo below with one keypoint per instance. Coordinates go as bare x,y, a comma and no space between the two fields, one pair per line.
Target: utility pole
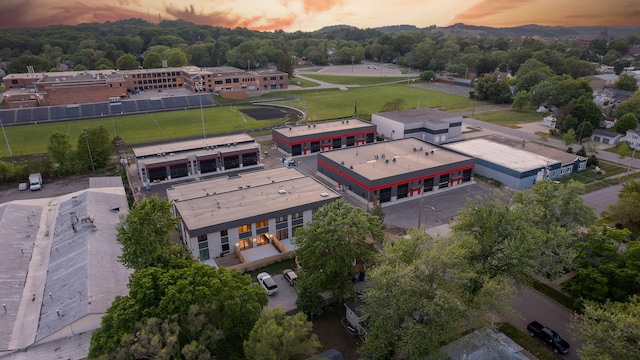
7,140
86,139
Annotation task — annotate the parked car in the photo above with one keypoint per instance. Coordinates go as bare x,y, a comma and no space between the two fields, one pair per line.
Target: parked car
290,276
550,337
265,280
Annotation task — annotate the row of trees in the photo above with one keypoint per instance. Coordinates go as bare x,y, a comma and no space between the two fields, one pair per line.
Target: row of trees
179,308
100,46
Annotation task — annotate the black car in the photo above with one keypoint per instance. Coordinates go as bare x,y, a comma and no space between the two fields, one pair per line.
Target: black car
550,337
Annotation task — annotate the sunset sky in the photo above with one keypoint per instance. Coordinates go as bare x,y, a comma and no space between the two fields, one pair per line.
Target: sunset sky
310,15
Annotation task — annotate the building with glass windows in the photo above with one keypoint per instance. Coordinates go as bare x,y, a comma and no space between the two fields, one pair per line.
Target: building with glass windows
323,136
253,214
397,170
196,158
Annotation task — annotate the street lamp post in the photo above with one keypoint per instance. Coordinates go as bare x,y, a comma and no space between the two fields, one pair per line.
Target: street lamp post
86,139
475,100
633,156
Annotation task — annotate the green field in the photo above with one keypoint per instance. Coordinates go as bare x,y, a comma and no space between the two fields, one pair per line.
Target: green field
33,139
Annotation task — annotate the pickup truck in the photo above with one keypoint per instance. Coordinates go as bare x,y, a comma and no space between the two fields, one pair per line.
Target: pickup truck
550,337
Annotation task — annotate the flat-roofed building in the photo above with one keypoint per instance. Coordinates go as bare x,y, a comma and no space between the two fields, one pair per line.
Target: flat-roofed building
322,136
395,170
510,165
60,270
244,212
194,158
432,125
94,86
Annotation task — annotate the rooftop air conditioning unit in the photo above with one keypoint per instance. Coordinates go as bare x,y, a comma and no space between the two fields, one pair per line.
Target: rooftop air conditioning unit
282,191
324,194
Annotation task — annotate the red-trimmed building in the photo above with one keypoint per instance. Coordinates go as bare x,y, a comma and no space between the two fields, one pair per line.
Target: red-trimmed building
323,136
397,170
197,158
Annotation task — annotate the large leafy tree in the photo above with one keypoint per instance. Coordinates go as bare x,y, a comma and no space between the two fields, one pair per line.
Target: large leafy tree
626,82
609,331
531,73
277,336
626,211
127,62
62,153
626,122
534,232
493,87
420,293
146,236
94,148
607,267
229,301
329,245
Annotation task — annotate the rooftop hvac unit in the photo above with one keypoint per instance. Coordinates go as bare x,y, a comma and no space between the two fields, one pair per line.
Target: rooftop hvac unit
324,194
282,191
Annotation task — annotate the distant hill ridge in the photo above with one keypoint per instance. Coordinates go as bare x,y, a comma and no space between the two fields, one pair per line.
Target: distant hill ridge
528,30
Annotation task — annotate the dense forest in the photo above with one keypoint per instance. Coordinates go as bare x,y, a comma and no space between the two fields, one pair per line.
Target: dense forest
454,49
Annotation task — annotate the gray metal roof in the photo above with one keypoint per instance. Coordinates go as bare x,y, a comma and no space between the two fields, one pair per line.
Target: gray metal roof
105,182
189,145
382,159
239,201
84,275
323,127
19,225
64,275
411,116
510,157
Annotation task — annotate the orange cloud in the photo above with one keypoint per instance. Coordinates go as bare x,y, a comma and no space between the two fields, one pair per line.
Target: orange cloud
315,6
486,9
15,15
226,19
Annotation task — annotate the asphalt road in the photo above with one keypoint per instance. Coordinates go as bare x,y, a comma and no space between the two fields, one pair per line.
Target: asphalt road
534,306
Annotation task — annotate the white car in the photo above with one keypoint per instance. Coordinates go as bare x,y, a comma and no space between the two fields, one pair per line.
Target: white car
290,276
265,280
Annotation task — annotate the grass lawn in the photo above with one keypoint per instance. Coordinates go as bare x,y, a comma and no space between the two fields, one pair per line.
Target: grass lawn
33,139
327,104
302,82
509,118
356,80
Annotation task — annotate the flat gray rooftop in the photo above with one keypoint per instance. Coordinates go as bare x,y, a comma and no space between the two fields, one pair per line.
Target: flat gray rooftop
511,157
411,116
253,201
376,161
180,146
222,185
534,147
323,127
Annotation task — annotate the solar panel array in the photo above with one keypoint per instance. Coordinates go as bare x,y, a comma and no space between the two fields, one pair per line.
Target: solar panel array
97,110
